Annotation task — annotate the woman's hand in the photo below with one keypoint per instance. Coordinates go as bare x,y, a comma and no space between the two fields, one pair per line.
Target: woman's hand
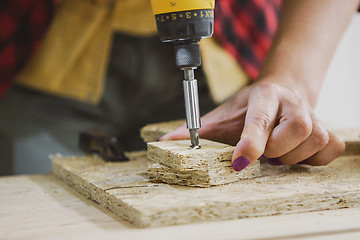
268,119
274,116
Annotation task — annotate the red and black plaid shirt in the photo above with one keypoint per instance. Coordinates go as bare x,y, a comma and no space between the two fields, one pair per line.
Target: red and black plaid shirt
245,28
22,26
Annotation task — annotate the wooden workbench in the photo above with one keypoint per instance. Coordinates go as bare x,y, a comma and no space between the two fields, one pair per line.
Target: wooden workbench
43,207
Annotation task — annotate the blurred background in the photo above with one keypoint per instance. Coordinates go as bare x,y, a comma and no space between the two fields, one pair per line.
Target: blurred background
339,101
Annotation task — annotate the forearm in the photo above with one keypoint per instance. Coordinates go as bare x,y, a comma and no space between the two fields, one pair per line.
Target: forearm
308,34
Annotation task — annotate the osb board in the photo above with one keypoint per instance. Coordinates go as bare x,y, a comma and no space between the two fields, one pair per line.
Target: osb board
175,162
151,132
124,188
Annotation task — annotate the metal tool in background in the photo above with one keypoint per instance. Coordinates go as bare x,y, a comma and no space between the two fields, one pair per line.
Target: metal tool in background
108,147
184,23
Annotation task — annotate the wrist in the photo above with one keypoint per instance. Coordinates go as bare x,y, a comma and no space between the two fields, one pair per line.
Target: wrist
295,70
292,83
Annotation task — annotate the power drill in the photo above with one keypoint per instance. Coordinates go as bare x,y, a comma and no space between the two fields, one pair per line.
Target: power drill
185,23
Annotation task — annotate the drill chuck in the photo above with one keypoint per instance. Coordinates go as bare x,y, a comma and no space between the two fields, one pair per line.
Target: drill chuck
187,55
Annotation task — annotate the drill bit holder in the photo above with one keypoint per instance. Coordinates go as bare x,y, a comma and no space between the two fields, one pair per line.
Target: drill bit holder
188,58
192,106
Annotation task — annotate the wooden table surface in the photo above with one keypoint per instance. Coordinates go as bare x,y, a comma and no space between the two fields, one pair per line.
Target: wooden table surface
43,207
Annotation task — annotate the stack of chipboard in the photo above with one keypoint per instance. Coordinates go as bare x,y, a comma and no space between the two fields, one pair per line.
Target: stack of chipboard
175,162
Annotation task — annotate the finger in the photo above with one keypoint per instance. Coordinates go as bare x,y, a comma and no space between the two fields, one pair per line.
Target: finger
331,151
317,140
295,126
218,125
180,133
259,121
221,126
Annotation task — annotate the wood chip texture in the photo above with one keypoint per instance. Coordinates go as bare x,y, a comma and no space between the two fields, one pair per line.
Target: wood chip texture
175,162
125,189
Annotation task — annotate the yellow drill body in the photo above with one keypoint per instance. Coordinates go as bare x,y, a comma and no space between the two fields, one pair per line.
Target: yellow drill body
171,6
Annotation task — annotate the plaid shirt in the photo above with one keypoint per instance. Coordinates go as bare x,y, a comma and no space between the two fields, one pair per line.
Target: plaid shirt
22,26
245,28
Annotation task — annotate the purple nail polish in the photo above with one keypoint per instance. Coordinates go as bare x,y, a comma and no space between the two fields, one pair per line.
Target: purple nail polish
304,162
274,161
158,140
240,163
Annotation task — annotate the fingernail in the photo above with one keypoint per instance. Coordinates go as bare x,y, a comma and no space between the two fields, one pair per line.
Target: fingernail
274,161
240,163
304,162
158,140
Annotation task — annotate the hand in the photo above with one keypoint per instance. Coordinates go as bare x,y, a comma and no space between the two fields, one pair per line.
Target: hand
274,116
268,119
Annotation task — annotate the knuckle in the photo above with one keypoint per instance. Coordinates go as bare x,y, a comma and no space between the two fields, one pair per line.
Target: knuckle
320,137
301,125
262,120
268,89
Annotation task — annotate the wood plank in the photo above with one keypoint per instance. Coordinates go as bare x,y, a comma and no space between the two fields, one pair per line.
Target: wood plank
43,207
125,189
177,163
